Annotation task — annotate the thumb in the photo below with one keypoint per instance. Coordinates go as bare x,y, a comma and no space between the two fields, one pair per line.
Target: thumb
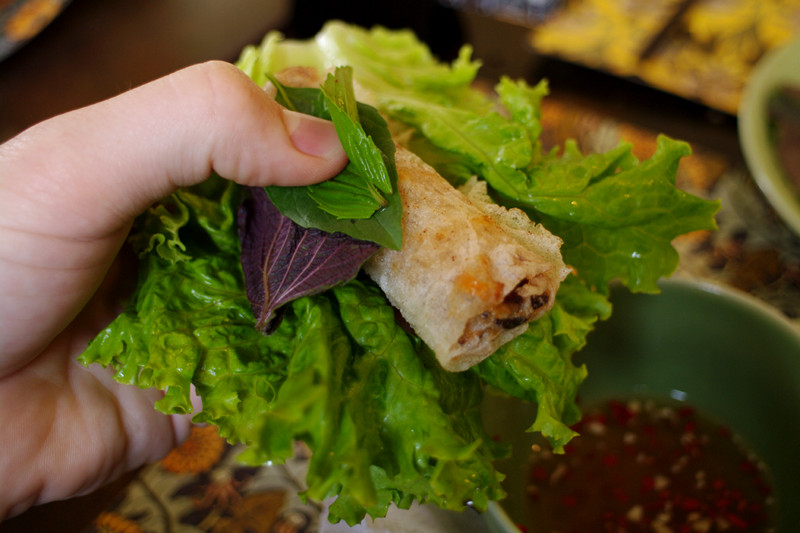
108,162
71,185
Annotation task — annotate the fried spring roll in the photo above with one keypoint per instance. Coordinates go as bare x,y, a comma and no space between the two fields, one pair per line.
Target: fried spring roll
471,275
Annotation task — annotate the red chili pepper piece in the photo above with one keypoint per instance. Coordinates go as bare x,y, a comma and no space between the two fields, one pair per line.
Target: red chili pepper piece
748,466
621,412
539,473
690,504
620,495
737,521
610,460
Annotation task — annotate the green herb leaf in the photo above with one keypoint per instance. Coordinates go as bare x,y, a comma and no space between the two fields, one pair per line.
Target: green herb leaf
360,201
338,90
348,196
382,228
386,423
365,157
283,261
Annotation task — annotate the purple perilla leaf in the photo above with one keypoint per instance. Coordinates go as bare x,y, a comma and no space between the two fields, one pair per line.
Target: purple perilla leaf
283,261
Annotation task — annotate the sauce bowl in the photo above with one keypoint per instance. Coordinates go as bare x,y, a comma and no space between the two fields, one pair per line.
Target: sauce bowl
732,357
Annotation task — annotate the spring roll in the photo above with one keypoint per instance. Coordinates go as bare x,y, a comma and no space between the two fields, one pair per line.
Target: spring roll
471,275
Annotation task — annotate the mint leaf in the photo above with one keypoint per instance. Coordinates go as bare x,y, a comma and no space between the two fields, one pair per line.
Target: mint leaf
361,201
364,155
348,196
283,261
382,228
338,91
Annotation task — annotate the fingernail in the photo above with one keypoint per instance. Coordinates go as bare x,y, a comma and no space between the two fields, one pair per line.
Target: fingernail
312,135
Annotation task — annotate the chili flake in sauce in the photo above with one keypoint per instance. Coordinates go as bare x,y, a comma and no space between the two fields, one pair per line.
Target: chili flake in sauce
646,465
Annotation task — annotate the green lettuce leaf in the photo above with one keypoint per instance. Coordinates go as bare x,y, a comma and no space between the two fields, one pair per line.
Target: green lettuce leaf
608,235
190,322
386,423
381,58
348,395
537,366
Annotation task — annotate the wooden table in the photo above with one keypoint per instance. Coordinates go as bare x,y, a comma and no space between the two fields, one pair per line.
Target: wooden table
96,49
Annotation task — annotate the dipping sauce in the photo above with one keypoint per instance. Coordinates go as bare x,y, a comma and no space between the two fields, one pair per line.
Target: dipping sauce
649,465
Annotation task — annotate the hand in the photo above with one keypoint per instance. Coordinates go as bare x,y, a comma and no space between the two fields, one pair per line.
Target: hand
70,188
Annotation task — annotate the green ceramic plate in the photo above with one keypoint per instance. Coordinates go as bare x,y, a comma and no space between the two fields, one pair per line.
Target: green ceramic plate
733,357
778,67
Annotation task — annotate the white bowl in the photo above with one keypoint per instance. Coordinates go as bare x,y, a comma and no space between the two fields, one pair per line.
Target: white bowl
778,67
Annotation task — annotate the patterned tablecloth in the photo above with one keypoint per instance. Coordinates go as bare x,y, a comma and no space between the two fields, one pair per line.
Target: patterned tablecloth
201,487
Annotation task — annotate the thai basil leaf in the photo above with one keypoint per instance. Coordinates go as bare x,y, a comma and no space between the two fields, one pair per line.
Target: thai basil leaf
283,261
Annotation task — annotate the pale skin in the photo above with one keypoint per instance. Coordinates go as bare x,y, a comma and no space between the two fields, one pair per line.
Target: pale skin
70,188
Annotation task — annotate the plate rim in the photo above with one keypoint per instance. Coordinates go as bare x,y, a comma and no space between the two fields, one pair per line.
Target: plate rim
753,131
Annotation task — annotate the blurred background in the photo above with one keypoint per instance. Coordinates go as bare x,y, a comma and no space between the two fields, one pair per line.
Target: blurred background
95,49
665,58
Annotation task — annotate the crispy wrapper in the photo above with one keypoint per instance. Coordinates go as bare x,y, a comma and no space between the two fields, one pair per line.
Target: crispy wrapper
471,274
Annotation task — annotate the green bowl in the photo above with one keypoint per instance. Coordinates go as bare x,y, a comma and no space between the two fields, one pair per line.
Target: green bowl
734,358
778,67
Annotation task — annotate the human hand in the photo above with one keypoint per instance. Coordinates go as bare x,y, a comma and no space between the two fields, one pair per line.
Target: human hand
70,188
